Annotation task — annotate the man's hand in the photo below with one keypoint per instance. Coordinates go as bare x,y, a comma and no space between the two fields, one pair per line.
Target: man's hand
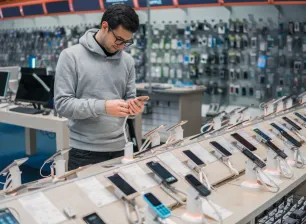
117,108
135,106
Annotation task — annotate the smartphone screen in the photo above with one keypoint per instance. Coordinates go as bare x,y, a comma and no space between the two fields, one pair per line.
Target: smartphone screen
122,184
154,201
244,142
221,149
300,116
263,135
278,151
253,158
197,185
194,158
6,217
93,219
161,172
292,123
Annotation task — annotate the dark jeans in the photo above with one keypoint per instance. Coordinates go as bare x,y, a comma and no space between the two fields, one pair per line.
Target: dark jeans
78,157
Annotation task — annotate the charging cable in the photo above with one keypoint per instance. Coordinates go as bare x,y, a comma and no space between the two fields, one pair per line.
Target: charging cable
298,155
146,144
204,180
233,170
171,191
288,171
171,139
209,125
124,129
273,189
227,162
40,171
215,210
128,212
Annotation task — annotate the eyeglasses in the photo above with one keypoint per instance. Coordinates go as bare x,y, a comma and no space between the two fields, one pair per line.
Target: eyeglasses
120,41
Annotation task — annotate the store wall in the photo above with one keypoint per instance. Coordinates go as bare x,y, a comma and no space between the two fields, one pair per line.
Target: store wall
270,12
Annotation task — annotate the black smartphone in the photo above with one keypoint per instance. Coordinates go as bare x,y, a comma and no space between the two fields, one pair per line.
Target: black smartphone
293,124
220,149
194,158
286,135
244,142
128,191
277,150
161,172
261,134
93,218
194,182
253,158
300,116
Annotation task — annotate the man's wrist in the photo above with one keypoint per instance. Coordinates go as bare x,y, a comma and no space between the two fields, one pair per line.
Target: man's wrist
100,107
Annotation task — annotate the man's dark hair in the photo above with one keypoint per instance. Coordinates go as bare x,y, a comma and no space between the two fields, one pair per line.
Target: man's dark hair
123,15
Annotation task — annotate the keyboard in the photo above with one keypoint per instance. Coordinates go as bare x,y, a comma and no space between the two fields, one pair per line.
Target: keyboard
26,110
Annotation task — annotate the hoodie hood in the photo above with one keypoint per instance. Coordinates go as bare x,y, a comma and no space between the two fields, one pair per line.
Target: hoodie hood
88,41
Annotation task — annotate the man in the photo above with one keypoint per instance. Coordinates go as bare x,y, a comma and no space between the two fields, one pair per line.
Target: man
95,88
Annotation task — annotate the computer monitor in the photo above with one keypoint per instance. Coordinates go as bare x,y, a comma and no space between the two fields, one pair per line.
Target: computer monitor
37,71
34,88
4,80
13,70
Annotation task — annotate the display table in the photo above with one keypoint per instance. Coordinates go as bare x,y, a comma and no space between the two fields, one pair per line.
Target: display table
37,122
170,106
244,204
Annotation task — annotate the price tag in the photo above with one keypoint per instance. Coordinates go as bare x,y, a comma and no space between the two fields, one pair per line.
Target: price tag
135,174
41,209
95,191
174,163
208,209
202,153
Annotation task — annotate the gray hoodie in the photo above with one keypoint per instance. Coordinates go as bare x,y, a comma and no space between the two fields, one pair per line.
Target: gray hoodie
85,78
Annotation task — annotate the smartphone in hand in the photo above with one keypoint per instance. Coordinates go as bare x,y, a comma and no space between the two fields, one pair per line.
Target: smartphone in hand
143,98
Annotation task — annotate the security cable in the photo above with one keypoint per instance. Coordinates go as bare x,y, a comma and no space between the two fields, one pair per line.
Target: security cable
171,192
298,155
204,179
233,170
128,212
273,189
283,164
40,171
